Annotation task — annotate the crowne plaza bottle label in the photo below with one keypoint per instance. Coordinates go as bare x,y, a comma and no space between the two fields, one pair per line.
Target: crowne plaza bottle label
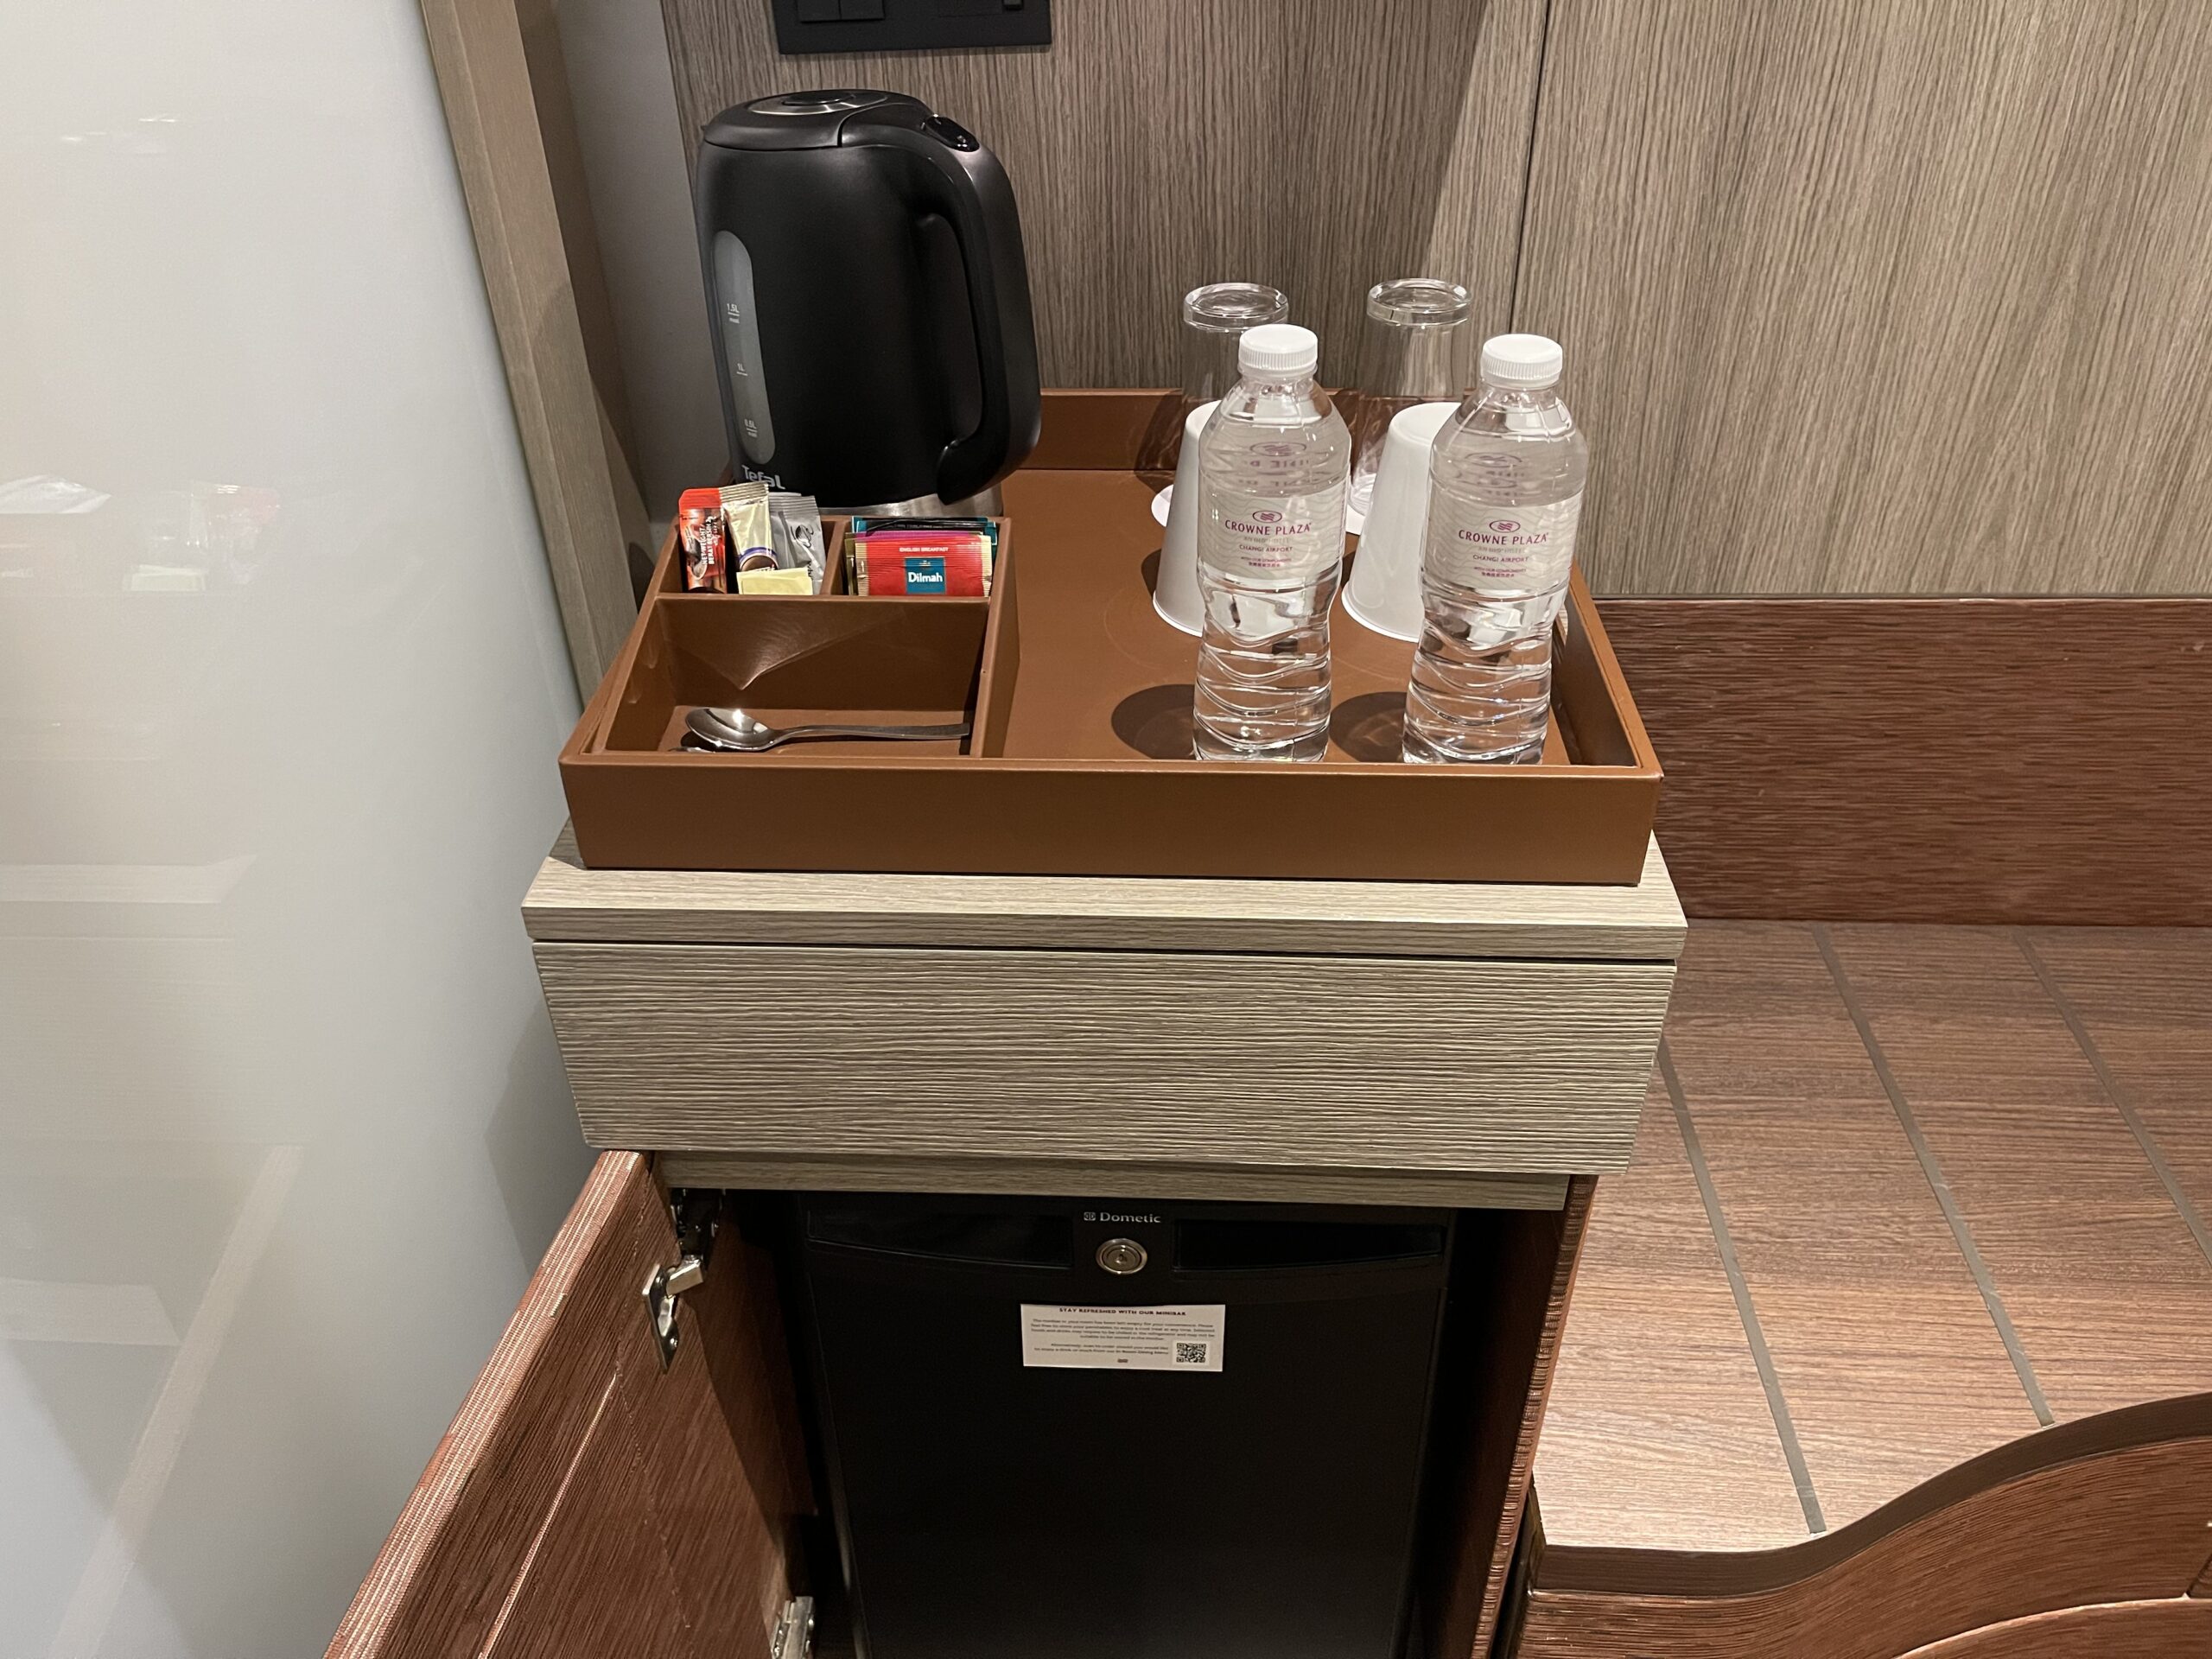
1290,540
1502,550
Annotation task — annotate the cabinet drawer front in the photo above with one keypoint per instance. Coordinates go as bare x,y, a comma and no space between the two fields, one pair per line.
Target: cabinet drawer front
1419,1064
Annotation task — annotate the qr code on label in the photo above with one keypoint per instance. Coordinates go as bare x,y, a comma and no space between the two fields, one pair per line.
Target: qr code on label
1190,1353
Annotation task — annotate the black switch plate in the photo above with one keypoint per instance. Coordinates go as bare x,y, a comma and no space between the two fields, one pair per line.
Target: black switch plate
908,25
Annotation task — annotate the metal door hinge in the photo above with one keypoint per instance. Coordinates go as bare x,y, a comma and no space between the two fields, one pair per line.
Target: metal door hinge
696,1214
662,1289
795,1630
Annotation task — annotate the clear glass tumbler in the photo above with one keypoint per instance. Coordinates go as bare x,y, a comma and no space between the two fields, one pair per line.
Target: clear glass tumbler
1416,328
1215,318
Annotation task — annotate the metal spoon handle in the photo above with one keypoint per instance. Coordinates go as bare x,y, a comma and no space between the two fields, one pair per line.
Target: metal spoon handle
959,728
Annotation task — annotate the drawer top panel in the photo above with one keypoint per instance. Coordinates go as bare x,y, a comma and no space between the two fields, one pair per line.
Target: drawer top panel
569,903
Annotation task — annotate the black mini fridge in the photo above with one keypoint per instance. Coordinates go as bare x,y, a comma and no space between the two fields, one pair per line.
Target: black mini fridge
1061,1429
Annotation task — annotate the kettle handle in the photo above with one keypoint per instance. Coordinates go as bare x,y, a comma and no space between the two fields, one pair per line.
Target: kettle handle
968,186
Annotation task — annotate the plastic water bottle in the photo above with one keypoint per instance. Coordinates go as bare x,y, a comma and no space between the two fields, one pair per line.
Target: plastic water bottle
1505,495
1273,464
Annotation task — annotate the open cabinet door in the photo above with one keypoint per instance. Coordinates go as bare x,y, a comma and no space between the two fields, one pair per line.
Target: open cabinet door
587,1501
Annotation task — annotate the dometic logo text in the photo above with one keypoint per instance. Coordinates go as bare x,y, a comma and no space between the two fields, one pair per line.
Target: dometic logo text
1116,1217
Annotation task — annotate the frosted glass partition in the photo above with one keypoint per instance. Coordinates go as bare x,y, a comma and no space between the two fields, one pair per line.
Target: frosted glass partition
282,1126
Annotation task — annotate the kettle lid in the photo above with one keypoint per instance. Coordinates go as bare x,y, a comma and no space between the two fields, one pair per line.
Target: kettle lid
810,120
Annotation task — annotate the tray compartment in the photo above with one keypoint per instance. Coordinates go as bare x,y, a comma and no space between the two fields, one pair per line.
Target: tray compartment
668,574
791,659
1108,681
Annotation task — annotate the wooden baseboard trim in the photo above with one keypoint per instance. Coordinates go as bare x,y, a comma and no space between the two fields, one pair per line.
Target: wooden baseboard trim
1962,760
2056,1526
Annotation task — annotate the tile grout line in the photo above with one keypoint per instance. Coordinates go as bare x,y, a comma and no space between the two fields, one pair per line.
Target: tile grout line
1793,1453
2117,1093
1937,1181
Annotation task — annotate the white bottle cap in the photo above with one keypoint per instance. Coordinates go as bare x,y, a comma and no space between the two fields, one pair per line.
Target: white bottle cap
1525,362
1277,351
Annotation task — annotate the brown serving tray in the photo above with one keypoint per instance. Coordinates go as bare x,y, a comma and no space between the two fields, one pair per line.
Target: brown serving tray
1081,699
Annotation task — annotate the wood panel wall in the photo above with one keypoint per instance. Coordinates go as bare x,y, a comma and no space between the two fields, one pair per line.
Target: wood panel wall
502,81
2029,760
1905,296
1317,146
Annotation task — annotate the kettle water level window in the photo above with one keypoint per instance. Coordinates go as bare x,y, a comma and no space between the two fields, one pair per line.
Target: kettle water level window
739,322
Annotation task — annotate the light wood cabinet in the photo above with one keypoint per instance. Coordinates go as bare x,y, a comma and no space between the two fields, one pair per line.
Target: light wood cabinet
1480,1047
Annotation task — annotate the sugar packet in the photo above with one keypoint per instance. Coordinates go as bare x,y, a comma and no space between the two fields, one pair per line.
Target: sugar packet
797,524
745,512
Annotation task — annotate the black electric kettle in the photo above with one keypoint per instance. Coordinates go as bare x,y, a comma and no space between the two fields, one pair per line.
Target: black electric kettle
869,300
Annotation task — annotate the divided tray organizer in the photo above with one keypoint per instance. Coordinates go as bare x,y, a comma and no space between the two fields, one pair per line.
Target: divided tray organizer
1080,696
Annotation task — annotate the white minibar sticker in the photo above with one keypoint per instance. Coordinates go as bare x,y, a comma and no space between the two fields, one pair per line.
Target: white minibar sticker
1181,1339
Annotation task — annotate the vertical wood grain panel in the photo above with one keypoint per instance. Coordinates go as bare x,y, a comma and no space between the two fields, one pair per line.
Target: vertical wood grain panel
465,1538
1476,233
597,1580
717,1518
580,236
1896,298
1513,1276
587,506
1317,146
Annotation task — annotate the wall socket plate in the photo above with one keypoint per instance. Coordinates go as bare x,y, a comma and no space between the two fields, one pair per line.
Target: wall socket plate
908,25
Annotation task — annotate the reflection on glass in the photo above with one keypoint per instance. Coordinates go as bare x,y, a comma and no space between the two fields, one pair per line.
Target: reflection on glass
282,1126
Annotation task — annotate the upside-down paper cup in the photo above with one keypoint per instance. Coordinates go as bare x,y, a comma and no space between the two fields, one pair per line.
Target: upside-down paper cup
1175,594
1385,590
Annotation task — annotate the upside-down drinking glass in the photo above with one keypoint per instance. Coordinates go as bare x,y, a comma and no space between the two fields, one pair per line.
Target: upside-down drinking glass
1410,354
1215,318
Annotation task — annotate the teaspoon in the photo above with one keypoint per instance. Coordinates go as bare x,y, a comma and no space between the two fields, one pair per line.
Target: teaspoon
735,732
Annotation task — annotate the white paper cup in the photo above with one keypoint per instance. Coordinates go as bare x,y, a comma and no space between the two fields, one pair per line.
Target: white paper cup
1385,590
1175,594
